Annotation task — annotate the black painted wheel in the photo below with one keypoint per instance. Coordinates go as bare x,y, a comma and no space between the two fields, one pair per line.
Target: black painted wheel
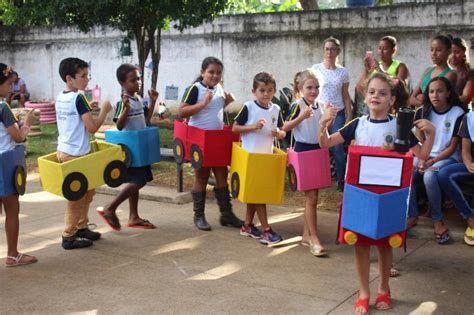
178,151
235,185
128,155
20,180
196,156
115,173
292,177
74,186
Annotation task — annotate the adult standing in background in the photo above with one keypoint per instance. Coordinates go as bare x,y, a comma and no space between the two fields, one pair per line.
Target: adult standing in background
459,60
440,50
386,49
334,89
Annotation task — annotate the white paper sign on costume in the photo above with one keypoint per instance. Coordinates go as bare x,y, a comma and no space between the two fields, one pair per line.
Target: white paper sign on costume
381,171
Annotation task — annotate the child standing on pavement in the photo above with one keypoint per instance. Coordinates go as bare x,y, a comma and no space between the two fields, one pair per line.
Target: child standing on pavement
259,121
75,122
131,114
304,120
376,129
203,103
10,135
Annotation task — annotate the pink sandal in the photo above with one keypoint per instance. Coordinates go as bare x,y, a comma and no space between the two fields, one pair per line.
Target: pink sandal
363,304
383,301
20,260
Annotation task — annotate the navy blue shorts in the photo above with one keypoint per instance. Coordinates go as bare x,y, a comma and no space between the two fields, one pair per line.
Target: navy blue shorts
139,175
301,146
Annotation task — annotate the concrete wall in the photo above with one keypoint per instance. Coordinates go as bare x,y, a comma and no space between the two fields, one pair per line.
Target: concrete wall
280,43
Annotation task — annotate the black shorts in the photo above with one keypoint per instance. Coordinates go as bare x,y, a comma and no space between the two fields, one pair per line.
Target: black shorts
301,146
139,175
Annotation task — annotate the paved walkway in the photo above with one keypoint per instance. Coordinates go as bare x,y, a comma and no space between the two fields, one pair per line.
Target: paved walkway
178,269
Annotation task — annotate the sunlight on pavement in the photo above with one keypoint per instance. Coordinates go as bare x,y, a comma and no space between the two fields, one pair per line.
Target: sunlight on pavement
222,271
284,246
32,248
91,312
40,197
425,308
283,217
189,243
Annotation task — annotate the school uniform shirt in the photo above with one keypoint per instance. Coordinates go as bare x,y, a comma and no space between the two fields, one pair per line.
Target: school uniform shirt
73,136
331,81
136,114
466,130
212,116
6,120
306,131
371,132
260,140
447,125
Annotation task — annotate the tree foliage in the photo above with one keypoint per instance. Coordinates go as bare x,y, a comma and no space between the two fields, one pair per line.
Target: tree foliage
141,19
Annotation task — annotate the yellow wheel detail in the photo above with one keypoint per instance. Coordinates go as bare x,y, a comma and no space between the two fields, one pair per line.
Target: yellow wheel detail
75,186
196,156
350,237
115,173
177,150
19,180
395,241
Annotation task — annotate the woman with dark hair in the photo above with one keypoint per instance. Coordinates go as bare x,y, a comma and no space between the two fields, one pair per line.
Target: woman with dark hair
439,51
444,110
334,89
459,60
387,48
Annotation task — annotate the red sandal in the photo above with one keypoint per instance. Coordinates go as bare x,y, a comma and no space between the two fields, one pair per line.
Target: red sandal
383,301
361,304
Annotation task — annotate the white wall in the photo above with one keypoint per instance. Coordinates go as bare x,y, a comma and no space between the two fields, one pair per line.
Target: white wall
280,43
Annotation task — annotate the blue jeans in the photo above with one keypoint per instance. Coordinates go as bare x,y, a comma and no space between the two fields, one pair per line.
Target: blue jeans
449,178
337,151
433,190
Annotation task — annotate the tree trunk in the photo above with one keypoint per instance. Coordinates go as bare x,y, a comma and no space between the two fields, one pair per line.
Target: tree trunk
155,46
309,4
143,51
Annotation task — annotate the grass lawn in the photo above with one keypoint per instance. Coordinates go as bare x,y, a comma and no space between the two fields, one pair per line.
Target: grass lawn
41,145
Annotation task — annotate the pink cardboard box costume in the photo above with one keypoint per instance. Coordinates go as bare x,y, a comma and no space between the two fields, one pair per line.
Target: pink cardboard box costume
309,169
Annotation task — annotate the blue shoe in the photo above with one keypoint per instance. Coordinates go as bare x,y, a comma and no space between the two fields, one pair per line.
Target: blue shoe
250,230
270,237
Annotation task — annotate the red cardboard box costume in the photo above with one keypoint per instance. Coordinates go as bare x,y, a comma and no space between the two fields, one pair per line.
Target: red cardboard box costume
376,195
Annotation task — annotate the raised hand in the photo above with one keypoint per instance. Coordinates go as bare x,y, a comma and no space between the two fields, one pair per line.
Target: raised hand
153,95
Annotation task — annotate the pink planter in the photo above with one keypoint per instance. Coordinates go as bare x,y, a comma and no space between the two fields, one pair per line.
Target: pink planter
47,111
309,170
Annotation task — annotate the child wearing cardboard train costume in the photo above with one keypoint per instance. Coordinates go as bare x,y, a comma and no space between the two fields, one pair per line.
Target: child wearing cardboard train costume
304,120
259,122
75,122
203,103
376,129
130,114
11,134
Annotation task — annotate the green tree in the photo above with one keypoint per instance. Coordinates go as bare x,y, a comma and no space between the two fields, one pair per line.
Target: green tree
143,20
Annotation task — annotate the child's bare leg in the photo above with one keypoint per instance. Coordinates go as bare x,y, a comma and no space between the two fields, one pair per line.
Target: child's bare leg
220,173
201,176
133,217
12,223
363,269
262,215
385,263
250,214
310,215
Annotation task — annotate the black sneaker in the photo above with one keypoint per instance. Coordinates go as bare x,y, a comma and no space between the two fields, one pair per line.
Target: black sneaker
75,241
86,233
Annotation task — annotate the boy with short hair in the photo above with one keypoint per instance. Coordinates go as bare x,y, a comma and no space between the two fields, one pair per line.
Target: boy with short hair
75,122
259,121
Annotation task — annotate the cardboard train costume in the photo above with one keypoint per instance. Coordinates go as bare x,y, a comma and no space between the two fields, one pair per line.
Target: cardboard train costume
203,147
12,171
72,179
141,147
376,191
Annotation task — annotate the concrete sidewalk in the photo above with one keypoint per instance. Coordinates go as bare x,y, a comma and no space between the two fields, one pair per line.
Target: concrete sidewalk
178,269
